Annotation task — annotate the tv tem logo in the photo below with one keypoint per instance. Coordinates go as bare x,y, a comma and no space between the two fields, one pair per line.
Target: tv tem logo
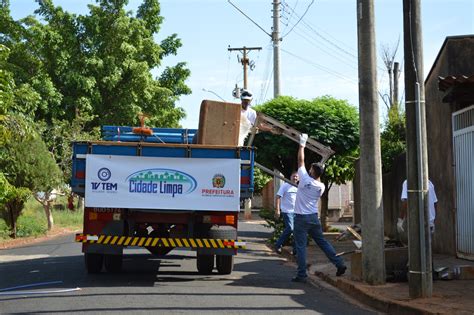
104,175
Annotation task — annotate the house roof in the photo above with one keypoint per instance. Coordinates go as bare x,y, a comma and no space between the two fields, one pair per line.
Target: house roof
446,40
445,83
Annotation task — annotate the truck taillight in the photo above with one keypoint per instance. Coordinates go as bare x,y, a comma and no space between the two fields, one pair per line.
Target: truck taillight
219,219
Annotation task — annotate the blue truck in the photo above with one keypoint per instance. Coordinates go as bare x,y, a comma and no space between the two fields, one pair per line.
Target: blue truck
160,191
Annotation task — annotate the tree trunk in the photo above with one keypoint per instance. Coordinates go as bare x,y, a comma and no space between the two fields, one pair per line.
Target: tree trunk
80,203
13,222
49,214
324,210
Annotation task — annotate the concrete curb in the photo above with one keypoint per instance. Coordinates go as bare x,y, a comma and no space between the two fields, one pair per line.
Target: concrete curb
356,291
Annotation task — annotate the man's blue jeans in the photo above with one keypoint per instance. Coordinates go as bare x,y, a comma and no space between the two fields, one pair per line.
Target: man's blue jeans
308,224
288,221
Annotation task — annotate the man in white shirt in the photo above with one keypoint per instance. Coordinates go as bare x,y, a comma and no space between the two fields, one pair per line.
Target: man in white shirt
250,113
285,206
432,206
310,189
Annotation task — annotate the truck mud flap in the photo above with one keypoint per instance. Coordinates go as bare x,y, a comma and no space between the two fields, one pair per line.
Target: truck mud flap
159,241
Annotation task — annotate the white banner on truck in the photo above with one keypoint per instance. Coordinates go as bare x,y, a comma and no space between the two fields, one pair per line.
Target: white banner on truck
162,183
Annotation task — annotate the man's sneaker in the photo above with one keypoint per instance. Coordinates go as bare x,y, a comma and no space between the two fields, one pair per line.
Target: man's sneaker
299,279
278,250
340,271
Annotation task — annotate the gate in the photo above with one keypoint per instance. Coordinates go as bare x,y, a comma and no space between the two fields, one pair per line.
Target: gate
463,137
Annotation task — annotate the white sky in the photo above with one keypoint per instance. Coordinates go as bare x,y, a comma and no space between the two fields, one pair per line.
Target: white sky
318,56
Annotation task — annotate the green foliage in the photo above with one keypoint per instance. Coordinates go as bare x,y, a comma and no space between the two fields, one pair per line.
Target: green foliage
28,163
393,138
260,179
330,121
275,223
98,66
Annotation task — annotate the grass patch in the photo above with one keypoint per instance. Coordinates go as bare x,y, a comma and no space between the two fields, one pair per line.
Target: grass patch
32,221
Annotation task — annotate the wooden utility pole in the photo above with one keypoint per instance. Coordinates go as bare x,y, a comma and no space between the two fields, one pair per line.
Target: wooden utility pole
419,242
373,258
245,61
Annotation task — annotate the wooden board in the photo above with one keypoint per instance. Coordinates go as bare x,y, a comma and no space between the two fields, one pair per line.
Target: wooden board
219,123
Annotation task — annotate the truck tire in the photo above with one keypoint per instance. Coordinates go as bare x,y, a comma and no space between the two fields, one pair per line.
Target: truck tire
228,234
205,264
113,263
225,264
94,262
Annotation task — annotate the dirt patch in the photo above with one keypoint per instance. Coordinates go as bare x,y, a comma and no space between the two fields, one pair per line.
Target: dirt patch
18,242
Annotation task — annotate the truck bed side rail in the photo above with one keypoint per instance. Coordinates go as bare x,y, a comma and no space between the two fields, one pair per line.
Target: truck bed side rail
159,135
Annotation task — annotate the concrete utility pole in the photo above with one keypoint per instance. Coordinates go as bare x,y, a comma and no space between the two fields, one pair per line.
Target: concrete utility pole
244,60
276,48
373,258
396,75
419,243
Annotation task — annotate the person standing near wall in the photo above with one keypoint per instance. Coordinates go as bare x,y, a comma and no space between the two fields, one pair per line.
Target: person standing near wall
285,207
432,206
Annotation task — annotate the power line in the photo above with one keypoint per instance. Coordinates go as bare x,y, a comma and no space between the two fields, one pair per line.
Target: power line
301,18
321,67
249,18
333,53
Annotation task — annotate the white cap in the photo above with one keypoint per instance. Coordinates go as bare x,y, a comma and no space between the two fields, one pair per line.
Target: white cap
246,95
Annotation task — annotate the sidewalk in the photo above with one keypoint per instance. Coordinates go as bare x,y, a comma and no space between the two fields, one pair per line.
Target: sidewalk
449,296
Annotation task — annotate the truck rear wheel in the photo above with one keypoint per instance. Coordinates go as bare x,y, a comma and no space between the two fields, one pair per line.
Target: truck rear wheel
94,262
205,264
225,264
113,263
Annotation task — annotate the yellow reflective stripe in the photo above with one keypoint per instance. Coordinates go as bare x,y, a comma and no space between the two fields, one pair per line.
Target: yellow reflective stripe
206,243
193,243
101,238
165,242
155,240
185,242
171,242
106,241
148,241
142,240
213,242
178,242
199,243
128,240
122,238
221,245
114,240
135,240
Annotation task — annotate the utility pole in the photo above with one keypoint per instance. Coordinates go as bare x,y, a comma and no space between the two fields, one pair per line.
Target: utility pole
276,48
245,61
419,242
373,256
396,75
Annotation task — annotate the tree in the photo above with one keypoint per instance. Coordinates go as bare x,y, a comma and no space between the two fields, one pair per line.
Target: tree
388,57
330,121
392,138
27,164
99,65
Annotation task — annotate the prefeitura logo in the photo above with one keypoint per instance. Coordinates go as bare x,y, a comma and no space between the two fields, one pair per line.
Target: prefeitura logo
161,181
218,181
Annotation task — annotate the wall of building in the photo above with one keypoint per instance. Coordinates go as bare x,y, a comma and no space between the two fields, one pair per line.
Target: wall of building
455,59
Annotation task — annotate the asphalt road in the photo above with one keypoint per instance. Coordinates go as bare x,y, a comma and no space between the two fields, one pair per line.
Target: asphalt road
260,283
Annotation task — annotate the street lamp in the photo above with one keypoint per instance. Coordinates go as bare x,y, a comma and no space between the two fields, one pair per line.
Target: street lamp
213,93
